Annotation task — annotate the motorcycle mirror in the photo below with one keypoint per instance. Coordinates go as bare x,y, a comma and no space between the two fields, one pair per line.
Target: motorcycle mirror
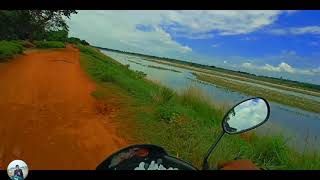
246,115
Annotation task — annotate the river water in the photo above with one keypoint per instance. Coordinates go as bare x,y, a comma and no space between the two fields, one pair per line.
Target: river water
300,127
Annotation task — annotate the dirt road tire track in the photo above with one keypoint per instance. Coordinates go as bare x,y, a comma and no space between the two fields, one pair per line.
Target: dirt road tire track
48,117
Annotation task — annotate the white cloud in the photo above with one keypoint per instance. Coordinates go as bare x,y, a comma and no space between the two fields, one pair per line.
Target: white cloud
291,11
282,67
247,65
255,110
287,53
306,30
118,30
296,30
215,45
316,70
278,31
229,22
249,38
186,49
193,35
192,24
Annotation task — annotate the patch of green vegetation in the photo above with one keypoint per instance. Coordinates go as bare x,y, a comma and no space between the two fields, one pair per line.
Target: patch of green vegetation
8,49
33,24
24,43
286,99
49,44
186,123
75,40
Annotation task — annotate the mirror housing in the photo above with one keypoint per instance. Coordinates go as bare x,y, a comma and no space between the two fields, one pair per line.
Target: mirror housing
205,164
246,115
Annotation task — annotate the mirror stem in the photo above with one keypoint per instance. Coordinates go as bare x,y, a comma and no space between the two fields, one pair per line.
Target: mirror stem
205,164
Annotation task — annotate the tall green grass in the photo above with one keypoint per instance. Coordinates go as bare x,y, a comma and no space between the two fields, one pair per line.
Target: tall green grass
24,43
49,44
186,123
8,49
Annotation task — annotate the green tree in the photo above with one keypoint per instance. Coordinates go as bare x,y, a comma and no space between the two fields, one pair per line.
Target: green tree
60,35
32,24
15,24
75,40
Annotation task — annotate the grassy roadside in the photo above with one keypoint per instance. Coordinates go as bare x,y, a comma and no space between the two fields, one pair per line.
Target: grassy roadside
287,99
49,44
9,49
187,124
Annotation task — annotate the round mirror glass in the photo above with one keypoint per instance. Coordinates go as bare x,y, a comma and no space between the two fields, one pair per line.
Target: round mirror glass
246,115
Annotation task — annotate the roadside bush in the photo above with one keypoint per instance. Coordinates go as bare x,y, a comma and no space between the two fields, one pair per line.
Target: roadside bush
9,49
107,76
27,44
49,44
60,35
140,74
163,96
24,43
168,113
74,40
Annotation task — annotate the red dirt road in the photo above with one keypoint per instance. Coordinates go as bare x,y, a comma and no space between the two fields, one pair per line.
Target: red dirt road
48,117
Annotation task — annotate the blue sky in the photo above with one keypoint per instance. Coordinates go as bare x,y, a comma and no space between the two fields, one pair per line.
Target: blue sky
272,43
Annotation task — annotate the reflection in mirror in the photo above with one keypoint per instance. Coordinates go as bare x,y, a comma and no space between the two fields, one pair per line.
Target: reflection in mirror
246,115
